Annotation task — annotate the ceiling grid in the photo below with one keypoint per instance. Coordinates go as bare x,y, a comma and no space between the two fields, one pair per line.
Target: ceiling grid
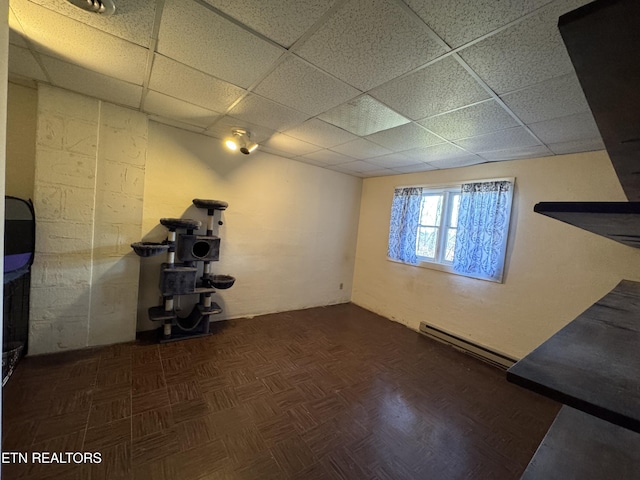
364,87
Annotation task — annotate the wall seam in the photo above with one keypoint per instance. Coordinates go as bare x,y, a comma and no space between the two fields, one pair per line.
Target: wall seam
93,223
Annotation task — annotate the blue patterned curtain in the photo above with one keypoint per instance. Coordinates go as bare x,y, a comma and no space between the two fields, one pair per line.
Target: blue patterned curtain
403,229
483,224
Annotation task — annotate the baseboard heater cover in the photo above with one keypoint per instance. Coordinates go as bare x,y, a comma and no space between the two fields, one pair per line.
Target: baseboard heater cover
478,351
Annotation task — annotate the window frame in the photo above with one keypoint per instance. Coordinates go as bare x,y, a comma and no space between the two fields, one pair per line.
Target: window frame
447,194
448,267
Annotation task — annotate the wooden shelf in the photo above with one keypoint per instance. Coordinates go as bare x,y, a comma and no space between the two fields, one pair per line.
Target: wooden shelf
603,39
592,364
619,221
580,446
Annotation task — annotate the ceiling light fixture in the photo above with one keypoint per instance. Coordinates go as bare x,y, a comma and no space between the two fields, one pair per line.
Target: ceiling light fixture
241,140
104,7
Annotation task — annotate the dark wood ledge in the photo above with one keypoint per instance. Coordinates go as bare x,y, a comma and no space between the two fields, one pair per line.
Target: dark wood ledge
619,221
603,39
592,364
582,446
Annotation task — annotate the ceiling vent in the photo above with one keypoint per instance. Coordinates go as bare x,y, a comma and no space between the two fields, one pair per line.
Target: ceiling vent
103,7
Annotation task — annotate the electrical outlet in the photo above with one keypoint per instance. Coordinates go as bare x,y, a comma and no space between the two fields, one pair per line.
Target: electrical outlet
341,285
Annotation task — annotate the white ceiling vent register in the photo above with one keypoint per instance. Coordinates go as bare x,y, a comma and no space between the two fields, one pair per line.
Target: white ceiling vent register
104,7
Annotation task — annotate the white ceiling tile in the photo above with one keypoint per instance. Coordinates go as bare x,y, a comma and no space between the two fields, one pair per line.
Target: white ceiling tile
581,126
561,7
537,151
166,106
440,87
368,42
328,157
577,146
557,97
465,161
460,21
515,137
393,160
404,137
16,39
224,126
259,110
176,123
384,172
353,173
320,133
363,116
361,148
298,85
113,57
526,53
290,145
275,151
179,81
132,21
22,63
310,161
198,37
359,166
283,21
443,151
418,167
16,33
484,117
364,43
57,102
23,81
92,84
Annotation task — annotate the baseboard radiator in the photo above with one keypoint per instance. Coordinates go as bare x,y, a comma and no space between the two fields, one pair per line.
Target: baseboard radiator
482,353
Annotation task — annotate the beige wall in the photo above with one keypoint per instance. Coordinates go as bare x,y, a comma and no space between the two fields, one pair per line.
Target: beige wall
22,110
289,233
553,272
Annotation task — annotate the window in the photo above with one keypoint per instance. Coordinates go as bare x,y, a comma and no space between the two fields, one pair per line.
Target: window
437,226
462,229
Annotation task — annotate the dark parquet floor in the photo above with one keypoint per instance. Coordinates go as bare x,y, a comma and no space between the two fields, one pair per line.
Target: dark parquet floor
325,393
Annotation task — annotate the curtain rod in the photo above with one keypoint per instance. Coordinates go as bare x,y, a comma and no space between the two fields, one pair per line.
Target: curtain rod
457,184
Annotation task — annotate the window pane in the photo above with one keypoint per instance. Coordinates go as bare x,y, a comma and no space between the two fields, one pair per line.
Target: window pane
451,245
427,238
455,205
431,210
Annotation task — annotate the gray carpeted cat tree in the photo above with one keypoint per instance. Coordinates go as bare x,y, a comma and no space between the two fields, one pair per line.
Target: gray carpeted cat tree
180,278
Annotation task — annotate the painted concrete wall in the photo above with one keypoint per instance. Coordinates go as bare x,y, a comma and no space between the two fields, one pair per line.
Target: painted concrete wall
88,192
288,236
553,271
22,110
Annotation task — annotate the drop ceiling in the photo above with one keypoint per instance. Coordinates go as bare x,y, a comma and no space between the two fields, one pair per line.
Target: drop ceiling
364,87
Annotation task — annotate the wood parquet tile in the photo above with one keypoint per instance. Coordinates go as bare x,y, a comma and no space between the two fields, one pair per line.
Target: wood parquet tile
149,401
151,421
244,444
108,435
196,432
155,447
325,393
110,410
